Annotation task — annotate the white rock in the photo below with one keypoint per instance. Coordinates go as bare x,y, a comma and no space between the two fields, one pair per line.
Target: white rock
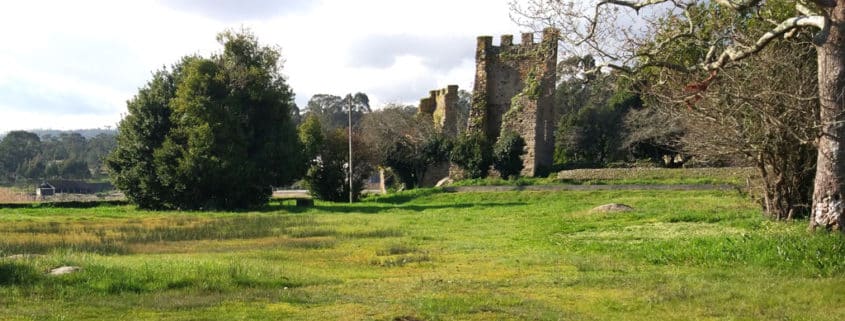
444,181
611,208
62,270
23,256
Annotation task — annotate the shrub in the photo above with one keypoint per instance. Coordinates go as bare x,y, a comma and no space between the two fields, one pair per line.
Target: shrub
473,154
410,160
13,273
507,154
405,142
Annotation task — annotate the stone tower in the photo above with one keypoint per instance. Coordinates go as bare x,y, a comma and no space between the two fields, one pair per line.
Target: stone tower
441,106
514,91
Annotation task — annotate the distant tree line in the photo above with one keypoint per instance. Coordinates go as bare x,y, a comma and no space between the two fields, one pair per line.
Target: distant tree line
26,156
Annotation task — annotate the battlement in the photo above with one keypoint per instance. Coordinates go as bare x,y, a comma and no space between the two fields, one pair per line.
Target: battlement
549,36
507,40
528,38
427,105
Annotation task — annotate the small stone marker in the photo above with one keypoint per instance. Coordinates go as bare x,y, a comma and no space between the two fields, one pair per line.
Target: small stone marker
62,270
612,208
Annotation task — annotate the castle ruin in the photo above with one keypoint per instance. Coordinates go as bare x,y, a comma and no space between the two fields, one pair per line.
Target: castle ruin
514,91
440,107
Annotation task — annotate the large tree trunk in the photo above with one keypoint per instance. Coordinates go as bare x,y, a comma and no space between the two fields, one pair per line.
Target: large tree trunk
829,192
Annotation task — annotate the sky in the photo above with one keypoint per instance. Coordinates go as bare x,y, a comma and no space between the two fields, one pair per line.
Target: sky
74,64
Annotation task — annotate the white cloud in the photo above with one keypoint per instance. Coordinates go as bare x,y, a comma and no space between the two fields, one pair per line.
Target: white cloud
89,57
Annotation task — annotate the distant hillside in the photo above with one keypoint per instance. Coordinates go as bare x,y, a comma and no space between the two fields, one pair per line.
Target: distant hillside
87,133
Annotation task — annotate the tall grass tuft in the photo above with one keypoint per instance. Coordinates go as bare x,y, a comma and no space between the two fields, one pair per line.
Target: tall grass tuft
17,273
380,233
402,260
105,238
820,255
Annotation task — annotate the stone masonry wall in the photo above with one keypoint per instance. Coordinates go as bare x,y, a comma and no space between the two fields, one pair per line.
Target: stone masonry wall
441,105
514,91
441,108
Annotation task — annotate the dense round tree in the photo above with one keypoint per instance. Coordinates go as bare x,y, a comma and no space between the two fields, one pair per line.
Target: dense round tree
210,133
17,148
327,176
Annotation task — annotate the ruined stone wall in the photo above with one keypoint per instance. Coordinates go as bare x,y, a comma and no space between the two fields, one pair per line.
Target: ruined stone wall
440,107
514,91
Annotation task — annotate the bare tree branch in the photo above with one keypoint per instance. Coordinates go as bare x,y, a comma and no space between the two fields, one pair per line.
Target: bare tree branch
736,53
597,32
636,5
738,5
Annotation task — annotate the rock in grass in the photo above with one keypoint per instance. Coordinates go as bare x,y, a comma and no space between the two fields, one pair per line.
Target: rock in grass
611,208
62,270
23,256
446,181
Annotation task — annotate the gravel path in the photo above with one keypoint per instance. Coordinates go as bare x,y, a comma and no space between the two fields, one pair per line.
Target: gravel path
562,187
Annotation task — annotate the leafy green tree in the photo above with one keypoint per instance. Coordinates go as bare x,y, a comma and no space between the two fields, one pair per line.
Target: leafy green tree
52,170
410,160
333,110
591,128
507,154
473,154
436,148
311,136
74,144
140,134
212,133
97,149
400,156
404,143
295,115
74,169
17,148
33,168
327,175
462,112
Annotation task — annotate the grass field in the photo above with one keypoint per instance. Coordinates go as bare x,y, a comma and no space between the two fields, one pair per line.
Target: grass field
10,195
426,255
737,176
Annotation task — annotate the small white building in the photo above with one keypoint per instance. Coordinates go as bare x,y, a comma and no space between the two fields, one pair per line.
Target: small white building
45,189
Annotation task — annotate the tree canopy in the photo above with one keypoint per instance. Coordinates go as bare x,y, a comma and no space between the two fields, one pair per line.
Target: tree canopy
633,36
210,132
333,110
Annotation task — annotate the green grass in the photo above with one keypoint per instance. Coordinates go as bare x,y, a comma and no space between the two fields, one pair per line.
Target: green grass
737,176
425,255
